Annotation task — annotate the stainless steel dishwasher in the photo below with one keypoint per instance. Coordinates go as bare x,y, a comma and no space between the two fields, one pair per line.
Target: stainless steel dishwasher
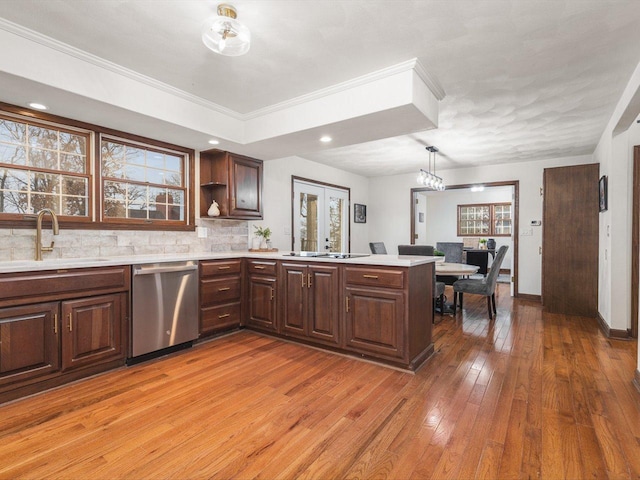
165,308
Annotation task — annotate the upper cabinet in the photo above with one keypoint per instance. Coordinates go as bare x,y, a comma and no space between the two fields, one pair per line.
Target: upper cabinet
234,181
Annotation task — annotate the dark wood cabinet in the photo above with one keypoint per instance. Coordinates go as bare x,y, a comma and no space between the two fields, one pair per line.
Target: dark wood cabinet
310,301
92,330
220,295
61,325
384,336
29,343
234,181
262,285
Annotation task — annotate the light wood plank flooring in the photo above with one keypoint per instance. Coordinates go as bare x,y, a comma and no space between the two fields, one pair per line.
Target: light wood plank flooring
528,395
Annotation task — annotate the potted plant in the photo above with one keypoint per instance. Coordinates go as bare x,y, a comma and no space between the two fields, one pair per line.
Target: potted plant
264,234
483,243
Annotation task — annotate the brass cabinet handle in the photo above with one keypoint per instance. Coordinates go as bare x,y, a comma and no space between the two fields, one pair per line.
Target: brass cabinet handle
55,323
70,323
375,277
309,280
224,267
271,293
302,278
259,267
347,303
224,315
224,289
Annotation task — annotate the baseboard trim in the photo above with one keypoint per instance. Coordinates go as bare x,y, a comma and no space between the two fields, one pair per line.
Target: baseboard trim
531,298
636,380
612,333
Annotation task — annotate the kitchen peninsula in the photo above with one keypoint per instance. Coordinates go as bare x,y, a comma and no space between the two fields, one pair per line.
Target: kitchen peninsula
75,313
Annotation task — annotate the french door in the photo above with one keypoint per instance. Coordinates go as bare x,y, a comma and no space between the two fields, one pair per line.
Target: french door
320,218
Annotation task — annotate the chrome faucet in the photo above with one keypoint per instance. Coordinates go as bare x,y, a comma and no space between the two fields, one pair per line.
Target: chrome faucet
54,226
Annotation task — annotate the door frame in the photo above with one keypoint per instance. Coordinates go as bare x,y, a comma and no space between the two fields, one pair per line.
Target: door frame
635,242
516,209
295,178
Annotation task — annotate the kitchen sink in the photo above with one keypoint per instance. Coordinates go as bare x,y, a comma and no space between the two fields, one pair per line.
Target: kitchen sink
327,254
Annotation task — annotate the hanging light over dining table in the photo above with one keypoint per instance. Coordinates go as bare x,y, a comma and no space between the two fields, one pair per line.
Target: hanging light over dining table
428,178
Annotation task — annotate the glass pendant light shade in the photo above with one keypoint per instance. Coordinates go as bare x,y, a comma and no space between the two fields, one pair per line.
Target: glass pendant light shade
428,178
224,34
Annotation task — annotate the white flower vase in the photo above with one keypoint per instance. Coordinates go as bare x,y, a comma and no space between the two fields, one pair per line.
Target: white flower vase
263,243
214,210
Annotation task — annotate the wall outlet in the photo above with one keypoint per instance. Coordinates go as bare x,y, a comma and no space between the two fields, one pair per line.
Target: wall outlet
526,232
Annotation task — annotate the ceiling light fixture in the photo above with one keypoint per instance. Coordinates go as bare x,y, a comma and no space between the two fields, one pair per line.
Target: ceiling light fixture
214,142
428,178
325,139
477,188
38,106
224,34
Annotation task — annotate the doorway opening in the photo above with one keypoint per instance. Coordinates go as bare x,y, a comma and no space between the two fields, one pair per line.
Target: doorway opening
320,216
420,219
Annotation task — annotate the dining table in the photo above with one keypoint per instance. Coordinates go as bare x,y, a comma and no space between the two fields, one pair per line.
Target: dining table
455,270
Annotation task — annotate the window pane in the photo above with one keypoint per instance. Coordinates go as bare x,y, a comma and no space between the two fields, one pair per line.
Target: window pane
155,176
41,200
135,155
43,137
71,143
12,132
173,163
134,172
45,182
115,209
12,154
155,160
112,159
74,206
75,186
72,163
39,158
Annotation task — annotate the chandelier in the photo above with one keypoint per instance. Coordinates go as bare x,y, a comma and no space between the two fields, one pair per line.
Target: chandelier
428,178
224,34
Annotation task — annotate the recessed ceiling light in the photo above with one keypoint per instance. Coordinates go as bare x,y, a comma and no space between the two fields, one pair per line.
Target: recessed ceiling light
325,139
38,106
214,142
477,188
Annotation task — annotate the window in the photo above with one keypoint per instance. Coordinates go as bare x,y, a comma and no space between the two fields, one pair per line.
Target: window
141,183
50,162
43,166
491,219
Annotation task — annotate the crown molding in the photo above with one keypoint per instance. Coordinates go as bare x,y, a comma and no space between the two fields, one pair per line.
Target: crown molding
412,64
61,47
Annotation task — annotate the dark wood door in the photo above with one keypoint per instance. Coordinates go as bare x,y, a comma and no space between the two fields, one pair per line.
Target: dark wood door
294,302
262,302
29,342
92,330
570,240
246,187
384,337
323,315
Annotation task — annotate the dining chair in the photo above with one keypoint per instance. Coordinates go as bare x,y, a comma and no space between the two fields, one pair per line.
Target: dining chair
438,287
485,286
378,248
452,251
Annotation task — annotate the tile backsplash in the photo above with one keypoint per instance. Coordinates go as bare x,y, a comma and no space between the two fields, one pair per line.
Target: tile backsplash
222,236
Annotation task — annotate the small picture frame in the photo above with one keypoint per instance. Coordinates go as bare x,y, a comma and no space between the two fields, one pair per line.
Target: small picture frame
359,213
603,194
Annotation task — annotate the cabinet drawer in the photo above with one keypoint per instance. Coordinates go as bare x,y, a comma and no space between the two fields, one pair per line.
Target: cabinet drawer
261,267
210,268
220,317
219,290
18,288
374,277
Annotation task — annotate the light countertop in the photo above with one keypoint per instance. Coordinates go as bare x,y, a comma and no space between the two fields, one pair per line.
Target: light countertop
66,263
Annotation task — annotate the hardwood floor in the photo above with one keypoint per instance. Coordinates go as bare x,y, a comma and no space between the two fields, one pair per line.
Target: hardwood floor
528,395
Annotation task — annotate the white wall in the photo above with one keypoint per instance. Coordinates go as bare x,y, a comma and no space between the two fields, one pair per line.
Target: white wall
442,215
277,198
392,201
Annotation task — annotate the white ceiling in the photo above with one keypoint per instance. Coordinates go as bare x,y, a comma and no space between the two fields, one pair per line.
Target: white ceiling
524,79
